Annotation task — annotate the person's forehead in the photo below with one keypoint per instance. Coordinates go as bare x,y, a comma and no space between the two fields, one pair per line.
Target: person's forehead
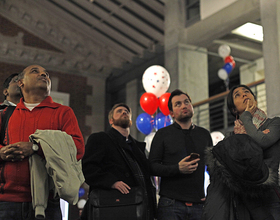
13,79
121,108
27,69
179,98
239,89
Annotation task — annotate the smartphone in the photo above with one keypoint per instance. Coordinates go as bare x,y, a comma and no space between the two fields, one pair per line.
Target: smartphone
194,156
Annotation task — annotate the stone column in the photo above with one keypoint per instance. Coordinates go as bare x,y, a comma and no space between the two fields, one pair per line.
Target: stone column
253,72
97,102
270,17
132,101
186,64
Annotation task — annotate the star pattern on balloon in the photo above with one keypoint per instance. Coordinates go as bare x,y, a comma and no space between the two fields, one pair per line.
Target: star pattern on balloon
156,81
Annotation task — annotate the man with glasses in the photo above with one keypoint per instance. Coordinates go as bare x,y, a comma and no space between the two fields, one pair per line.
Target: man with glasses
11,91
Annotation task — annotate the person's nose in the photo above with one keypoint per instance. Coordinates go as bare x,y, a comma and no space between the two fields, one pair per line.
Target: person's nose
43,74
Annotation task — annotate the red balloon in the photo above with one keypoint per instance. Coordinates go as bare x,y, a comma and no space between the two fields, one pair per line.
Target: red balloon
229,59
163,103
233,64
149,103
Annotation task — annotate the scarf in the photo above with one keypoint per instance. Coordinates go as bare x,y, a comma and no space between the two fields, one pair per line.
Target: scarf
258,119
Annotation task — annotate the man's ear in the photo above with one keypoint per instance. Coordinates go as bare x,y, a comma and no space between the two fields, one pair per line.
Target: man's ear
5,92
19,83
171,114
111,121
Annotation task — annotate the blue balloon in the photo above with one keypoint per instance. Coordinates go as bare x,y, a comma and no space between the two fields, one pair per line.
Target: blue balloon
81,192
206,170
162,121
144,123
228,67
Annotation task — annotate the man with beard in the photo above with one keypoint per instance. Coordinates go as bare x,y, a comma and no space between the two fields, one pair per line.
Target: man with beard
182,176
115,160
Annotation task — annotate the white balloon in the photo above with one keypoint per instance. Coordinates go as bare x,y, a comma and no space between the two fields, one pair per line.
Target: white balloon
81,203
156,80
222,73
224,50
217,137
148,139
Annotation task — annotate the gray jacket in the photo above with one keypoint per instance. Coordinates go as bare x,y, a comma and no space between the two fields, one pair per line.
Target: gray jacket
59,170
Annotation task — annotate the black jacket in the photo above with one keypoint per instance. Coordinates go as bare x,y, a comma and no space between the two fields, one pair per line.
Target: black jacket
104,164
241,182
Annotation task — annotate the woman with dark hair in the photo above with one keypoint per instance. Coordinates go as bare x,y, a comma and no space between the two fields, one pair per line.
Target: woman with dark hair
230,99
244,166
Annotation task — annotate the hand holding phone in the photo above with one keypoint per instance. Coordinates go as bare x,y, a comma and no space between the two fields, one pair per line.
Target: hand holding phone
186,165
194,156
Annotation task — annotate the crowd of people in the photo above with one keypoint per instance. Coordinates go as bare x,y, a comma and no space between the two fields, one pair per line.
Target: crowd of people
35,131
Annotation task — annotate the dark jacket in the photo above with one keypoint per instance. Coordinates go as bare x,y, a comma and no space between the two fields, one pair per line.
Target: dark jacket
104,164
270,143
240,181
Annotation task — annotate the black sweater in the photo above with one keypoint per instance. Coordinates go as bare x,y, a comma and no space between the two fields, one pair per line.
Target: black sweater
170,145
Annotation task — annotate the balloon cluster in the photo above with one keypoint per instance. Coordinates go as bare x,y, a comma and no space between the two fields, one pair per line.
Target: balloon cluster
229,63
156,81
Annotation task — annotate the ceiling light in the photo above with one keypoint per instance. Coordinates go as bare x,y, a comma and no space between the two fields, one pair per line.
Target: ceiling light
250,30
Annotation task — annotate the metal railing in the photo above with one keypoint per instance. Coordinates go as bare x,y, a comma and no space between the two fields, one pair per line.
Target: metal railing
213,114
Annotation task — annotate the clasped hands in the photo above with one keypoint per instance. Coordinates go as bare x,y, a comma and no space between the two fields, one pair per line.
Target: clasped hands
16,152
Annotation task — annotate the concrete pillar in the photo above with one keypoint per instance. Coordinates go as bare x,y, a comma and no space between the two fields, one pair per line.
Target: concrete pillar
193,71
186,64
132,101
174,23
270,17
253,72
97,102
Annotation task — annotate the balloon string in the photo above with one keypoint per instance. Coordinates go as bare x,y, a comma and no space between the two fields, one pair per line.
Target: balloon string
156,127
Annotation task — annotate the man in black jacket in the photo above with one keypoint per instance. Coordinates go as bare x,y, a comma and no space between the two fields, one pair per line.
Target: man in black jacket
115,160
182,179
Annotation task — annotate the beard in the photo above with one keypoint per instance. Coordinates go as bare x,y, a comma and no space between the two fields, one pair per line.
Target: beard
185,118
122,122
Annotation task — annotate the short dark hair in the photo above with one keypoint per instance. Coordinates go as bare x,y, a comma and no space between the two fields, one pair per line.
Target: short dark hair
21,75
230,102
110,115
8,80
176,92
